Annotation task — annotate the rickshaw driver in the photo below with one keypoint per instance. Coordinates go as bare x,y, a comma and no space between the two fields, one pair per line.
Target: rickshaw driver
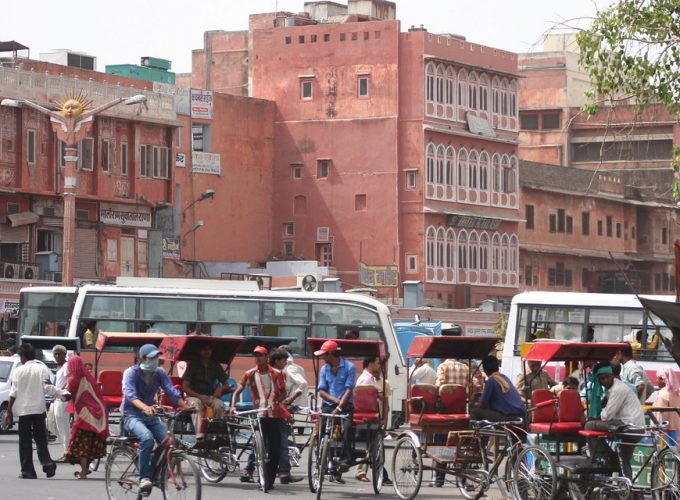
336,388
204,382
500,400
620,407
138,416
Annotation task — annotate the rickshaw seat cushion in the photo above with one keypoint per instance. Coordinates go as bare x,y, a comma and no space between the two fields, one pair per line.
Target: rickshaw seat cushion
571,409
366,400
439,418
452,399
365,417
593,434
424,398
556,427
112,401
544,410
111,382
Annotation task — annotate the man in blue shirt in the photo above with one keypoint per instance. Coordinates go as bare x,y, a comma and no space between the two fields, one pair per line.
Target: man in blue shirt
336,388
500,400
140,385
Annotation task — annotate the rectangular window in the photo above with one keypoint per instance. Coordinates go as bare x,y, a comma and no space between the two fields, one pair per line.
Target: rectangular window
599,227
362,85
343,37
296,171
143,161
12,208
585,279
106,155
550,121
82,214
155,162
30,147
618,229
552,223
123,158
530,216
528,122
289,40
163,161
327,37
551,276
412,263
178,137
360,202
657,282
10,145
585,223
411,180
323,168
567,278
288,248
610,226
560,220
570,224
528,275
197,137
664,236
86,153
312,38
112,250
306,90
301,38
288,229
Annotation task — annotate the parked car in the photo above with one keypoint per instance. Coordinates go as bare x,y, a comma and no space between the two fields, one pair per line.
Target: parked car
7,365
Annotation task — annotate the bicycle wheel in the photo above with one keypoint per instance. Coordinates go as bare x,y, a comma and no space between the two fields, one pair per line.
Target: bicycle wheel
472,481
535,475
665,475
214,466
181,479
322,466
121,475
508,475
261,460
407,469
313,464
378,462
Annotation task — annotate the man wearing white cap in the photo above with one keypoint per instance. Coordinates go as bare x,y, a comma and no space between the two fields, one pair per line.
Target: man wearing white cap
62,418
336,388
138,415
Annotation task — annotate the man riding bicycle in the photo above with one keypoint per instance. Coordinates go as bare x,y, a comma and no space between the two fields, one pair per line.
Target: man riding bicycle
138,416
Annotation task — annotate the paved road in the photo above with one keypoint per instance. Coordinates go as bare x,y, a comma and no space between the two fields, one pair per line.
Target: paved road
65,487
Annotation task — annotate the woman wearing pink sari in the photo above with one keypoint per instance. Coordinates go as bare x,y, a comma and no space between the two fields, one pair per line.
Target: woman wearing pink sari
669,397
90,419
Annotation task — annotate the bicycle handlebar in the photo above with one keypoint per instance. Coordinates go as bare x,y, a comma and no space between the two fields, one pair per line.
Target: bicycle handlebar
489,423
329,415
247,413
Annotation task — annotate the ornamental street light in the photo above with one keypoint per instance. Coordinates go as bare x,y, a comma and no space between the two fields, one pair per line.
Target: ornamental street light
71,122
207,194
196,226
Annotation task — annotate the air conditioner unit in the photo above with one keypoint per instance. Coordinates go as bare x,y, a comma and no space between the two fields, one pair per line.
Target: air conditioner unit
29,272
11,271
54,276
309,282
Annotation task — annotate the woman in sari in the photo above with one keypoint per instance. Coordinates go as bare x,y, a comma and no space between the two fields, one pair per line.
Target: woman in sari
90,419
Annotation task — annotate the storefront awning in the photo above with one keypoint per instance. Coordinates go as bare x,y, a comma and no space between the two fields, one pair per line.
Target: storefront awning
23,218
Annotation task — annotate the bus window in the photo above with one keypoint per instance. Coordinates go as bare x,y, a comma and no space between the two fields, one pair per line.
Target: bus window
324,332
560,323
101,306
297,332
231,311
284,312
155,308
613,324
170,328
344,314
222,330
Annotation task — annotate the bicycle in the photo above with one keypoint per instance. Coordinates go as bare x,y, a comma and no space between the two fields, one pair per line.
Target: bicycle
254,418
325,449
174,472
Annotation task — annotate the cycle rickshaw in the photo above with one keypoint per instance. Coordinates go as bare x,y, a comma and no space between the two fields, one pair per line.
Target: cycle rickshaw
440,412
326,441
540,473
216,452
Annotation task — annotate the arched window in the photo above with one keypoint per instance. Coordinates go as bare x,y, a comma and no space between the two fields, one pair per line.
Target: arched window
429,82
462,250
505,168
473,250
439,177
441,242
496,252
462,168
484,93
463,89
440,85
496,174
450,179
450,86
483,171
473,166
505,97
505,253
512,175
496,95
429,163
473,82
431,241
484,252
513,98
450,249
514,250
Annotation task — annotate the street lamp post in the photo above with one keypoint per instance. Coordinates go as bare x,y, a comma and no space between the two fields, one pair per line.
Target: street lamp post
71,123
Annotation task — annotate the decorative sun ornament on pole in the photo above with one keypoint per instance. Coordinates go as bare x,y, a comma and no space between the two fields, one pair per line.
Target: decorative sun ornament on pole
71,122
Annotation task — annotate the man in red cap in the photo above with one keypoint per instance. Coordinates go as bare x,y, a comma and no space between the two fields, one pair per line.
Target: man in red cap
336,388
268,390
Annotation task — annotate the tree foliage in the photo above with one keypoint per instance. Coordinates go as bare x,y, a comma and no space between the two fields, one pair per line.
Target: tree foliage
632,50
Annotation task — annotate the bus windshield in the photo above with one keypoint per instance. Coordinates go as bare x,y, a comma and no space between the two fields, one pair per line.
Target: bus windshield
45,313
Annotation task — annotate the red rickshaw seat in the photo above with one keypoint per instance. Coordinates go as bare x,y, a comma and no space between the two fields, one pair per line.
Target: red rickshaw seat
556,427
593,434
111,384
571,409
453,399
366,404
439,418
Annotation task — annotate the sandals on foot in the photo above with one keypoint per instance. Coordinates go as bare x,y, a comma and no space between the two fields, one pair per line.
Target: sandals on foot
78,475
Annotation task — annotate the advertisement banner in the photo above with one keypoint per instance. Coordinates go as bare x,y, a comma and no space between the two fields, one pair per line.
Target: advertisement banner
180,160
205,163
201,103
124,215
171,248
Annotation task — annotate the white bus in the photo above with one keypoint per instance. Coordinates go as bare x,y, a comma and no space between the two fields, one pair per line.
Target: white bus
569,315
218,310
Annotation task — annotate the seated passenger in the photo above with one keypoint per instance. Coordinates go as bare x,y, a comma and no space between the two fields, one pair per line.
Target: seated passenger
537,378
500,400
423,373
570,383
204,382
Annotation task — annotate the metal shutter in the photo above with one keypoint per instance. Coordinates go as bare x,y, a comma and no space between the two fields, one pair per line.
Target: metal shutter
85,261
